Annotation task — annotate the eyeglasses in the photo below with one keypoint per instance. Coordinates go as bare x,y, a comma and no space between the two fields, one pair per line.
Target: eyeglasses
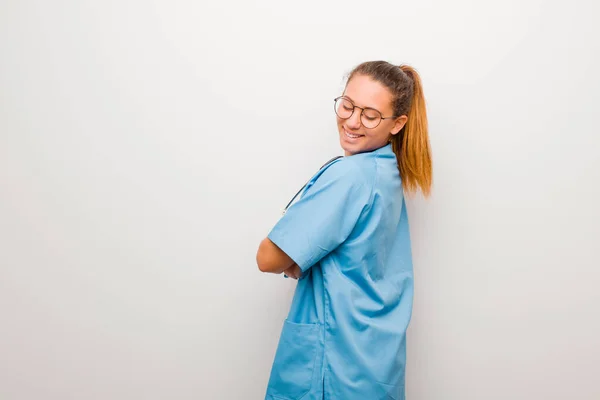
369,117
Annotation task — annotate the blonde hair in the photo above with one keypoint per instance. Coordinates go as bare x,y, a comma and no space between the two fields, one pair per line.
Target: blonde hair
411,144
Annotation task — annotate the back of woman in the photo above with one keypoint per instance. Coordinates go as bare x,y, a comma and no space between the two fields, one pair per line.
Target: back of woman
347,242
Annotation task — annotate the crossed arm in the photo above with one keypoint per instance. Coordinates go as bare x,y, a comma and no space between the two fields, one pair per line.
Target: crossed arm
270,258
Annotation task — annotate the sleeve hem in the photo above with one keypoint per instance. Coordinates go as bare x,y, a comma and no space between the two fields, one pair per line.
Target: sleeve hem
278,238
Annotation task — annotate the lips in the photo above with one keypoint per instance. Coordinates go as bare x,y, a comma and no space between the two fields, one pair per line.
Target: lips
352,135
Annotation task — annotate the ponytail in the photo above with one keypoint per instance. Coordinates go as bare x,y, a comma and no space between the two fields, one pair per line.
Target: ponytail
411,144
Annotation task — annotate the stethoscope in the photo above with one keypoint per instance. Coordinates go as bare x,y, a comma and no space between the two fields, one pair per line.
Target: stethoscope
303,186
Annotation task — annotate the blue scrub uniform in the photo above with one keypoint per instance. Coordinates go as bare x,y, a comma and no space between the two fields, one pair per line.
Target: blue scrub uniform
345,335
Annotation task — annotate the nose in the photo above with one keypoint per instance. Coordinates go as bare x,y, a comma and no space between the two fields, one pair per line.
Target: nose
354,121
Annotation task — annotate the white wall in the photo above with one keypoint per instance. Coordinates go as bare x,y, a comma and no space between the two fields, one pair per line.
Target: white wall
147,147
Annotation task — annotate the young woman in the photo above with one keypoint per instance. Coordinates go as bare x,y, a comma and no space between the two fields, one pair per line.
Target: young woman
347,242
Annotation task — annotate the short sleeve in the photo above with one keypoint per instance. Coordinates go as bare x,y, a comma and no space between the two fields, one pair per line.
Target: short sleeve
324,216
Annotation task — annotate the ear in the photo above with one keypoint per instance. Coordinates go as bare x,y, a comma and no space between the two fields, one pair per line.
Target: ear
399,124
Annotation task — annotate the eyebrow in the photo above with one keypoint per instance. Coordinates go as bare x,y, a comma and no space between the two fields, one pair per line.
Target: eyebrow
371,108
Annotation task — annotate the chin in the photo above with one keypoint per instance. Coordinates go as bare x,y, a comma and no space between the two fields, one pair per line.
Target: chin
351,147
348,149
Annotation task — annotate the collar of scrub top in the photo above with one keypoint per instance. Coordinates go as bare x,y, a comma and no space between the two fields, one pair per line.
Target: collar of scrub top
303,186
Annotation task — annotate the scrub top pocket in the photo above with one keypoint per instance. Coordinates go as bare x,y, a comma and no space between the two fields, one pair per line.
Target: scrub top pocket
294,364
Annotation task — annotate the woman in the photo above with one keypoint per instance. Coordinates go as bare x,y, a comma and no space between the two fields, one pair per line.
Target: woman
347,242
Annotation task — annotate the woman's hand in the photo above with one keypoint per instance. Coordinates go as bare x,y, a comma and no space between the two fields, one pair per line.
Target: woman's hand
294,271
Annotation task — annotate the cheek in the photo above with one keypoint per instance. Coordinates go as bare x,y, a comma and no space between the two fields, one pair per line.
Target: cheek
380,133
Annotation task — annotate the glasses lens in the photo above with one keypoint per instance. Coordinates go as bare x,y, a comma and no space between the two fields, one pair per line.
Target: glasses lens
343,108
370,118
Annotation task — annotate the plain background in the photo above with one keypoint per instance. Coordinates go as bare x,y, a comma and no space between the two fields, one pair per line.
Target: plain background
146,147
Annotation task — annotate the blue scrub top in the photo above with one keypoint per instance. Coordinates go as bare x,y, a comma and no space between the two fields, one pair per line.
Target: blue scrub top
345,335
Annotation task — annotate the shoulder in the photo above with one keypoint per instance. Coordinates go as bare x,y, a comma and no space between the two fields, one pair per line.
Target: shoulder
359,169
354,174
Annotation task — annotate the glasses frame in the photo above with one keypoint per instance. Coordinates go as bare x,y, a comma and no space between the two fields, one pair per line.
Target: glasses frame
362,109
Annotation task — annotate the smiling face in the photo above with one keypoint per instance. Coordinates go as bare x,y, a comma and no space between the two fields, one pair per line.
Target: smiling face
364,92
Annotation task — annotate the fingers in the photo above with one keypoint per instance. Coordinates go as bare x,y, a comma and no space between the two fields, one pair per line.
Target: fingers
290,273
297,271
293,272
